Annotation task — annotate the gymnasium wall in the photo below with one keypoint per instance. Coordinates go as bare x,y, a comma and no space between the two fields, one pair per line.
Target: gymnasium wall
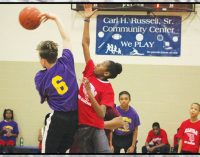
162,88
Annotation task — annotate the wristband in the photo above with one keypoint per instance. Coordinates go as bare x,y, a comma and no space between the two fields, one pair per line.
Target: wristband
87,20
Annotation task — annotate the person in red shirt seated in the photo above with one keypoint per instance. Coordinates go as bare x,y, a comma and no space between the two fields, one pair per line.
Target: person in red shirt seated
156,141
176,140
189,132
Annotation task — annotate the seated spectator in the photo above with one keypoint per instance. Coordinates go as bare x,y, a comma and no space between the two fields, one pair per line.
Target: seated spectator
176,140
156,141
126,137
41,132
9,132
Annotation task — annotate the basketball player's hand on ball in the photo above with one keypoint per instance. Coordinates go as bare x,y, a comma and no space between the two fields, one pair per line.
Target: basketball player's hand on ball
46,16
88,10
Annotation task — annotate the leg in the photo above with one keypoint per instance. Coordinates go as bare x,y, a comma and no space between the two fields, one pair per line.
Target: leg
165,149
117,149
83,141
52,134
144,149
2,145
68,138
100,141
10,146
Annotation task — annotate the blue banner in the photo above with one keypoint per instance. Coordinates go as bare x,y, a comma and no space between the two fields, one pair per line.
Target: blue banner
138,35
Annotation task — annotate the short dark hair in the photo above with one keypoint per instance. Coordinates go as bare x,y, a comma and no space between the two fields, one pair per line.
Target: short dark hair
196,104
125,92
4,113
48,50
114,69
156,124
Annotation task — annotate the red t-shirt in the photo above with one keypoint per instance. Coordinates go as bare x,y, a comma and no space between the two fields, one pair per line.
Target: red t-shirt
157,139
190,134
103,93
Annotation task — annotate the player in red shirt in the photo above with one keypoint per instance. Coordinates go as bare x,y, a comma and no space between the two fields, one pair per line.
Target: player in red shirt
156,141
189,132
95,95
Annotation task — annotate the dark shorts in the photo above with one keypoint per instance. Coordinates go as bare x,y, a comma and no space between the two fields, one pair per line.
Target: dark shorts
90,140
122,141
59,132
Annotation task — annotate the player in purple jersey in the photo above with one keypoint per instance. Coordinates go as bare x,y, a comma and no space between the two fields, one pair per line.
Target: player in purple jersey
58,86
8,132
126,138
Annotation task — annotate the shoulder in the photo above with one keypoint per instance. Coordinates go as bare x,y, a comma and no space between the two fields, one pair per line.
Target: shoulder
185,122
163,131
40,74
132,110
14,122
118,108
66,53
150,132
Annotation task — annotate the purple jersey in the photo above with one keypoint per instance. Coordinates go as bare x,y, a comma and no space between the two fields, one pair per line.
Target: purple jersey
10,127
131,119
58,85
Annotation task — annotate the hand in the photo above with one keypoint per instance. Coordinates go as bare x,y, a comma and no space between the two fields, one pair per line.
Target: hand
86,83
46,16
88,10
126,126
131,149
4,128
112,148
9,134
151,149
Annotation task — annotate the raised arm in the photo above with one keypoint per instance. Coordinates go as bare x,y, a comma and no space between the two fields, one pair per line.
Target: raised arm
86,33
63,33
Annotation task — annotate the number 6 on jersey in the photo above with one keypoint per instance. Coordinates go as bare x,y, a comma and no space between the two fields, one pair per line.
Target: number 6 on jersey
61,87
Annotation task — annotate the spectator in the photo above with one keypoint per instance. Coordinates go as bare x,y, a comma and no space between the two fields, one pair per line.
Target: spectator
189,132
176,140
126,137
9,132
156,141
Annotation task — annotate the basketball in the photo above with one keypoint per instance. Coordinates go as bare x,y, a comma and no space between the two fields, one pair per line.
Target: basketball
29,18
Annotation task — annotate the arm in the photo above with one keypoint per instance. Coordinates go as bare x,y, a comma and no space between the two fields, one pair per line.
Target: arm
110,141
180,146
86,34
40,135
199,150
115,123
132,147
63,33
99,109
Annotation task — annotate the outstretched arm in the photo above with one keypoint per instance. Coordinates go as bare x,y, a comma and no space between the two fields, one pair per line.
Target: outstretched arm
86,34
63,33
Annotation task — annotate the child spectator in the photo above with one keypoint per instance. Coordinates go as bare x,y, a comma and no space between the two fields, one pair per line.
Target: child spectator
9,132
176,140
156,141
126,137
189,132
